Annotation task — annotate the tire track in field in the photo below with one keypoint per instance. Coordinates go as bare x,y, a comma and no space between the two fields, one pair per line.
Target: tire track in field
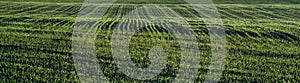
26,9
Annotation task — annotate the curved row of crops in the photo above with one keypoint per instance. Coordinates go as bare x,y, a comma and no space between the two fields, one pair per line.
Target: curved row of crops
36,41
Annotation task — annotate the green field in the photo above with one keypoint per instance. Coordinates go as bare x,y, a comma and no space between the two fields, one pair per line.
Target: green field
263,41
172,1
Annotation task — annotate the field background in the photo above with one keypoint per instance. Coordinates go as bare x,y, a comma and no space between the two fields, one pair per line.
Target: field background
262,40
175,1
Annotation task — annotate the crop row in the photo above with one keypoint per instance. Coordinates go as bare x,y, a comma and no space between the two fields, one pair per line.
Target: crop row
36,40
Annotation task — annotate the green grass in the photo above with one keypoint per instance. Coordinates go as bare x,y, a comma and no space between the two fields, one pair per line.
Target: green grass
175,1
262,42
